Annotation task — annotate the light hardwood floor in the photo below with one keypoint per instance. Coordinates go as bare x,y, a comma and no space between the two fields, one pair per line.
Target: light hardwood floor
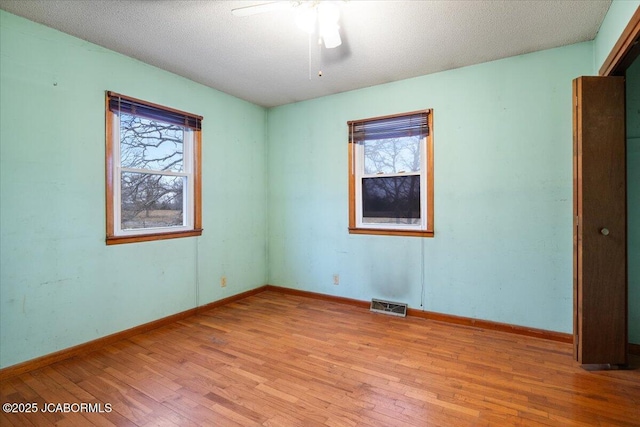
282,360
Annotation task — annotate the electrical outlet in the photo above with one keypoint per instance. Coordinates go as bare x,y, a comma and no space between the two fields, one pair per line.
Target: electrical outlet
223,282
336,279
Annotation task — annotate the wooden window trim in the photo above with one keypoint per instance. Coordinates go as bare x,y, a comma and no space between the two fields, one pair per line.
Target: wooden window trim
429,232
117,240
111,238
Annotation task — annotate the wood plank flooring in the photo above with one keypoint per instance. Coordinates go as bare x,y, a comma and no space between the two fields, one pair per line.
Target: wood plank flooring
281,360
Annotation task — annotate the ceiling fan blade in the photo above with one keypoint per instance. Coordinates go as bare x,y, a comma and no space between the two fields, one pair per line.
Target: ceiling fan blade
261,8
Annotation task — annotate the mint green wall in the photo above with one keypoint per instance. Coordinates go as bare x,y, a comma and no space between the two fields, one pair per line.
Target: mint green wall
503,245
60,285
503,193
633,197
617,18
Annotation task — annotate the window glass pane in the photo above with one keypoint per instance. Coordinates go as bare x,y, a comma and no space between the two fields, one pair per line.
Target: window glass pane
393,200
148,144
150,200
392,155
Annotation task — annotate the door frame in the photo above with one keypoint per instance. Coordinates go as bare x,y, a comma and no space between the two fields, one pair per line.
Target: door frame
626,49
624,52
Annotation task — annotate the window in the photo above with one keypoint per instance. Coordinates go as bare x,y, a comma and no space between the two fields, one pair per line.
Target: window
152,171
391,175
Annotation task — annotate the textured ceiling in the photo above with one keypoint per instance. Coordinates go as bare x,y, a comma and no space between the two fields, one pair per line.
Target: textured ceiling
266,59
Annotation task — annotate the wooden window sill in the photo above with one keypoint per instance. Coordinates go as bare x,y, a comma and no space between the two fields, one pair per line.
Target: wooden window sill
117,240
387,232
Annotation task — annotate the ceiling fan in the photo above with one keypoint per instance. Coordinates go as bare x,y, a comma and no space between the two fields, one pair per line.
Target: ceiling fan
313,16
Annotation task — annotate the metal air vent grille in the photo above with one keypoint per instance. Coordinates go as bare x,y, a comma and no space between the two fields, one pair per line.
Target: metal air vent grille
389,307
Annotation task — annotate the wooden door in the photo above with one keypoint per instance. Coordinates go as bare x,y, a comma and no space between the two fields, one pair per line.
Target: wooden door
600,243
